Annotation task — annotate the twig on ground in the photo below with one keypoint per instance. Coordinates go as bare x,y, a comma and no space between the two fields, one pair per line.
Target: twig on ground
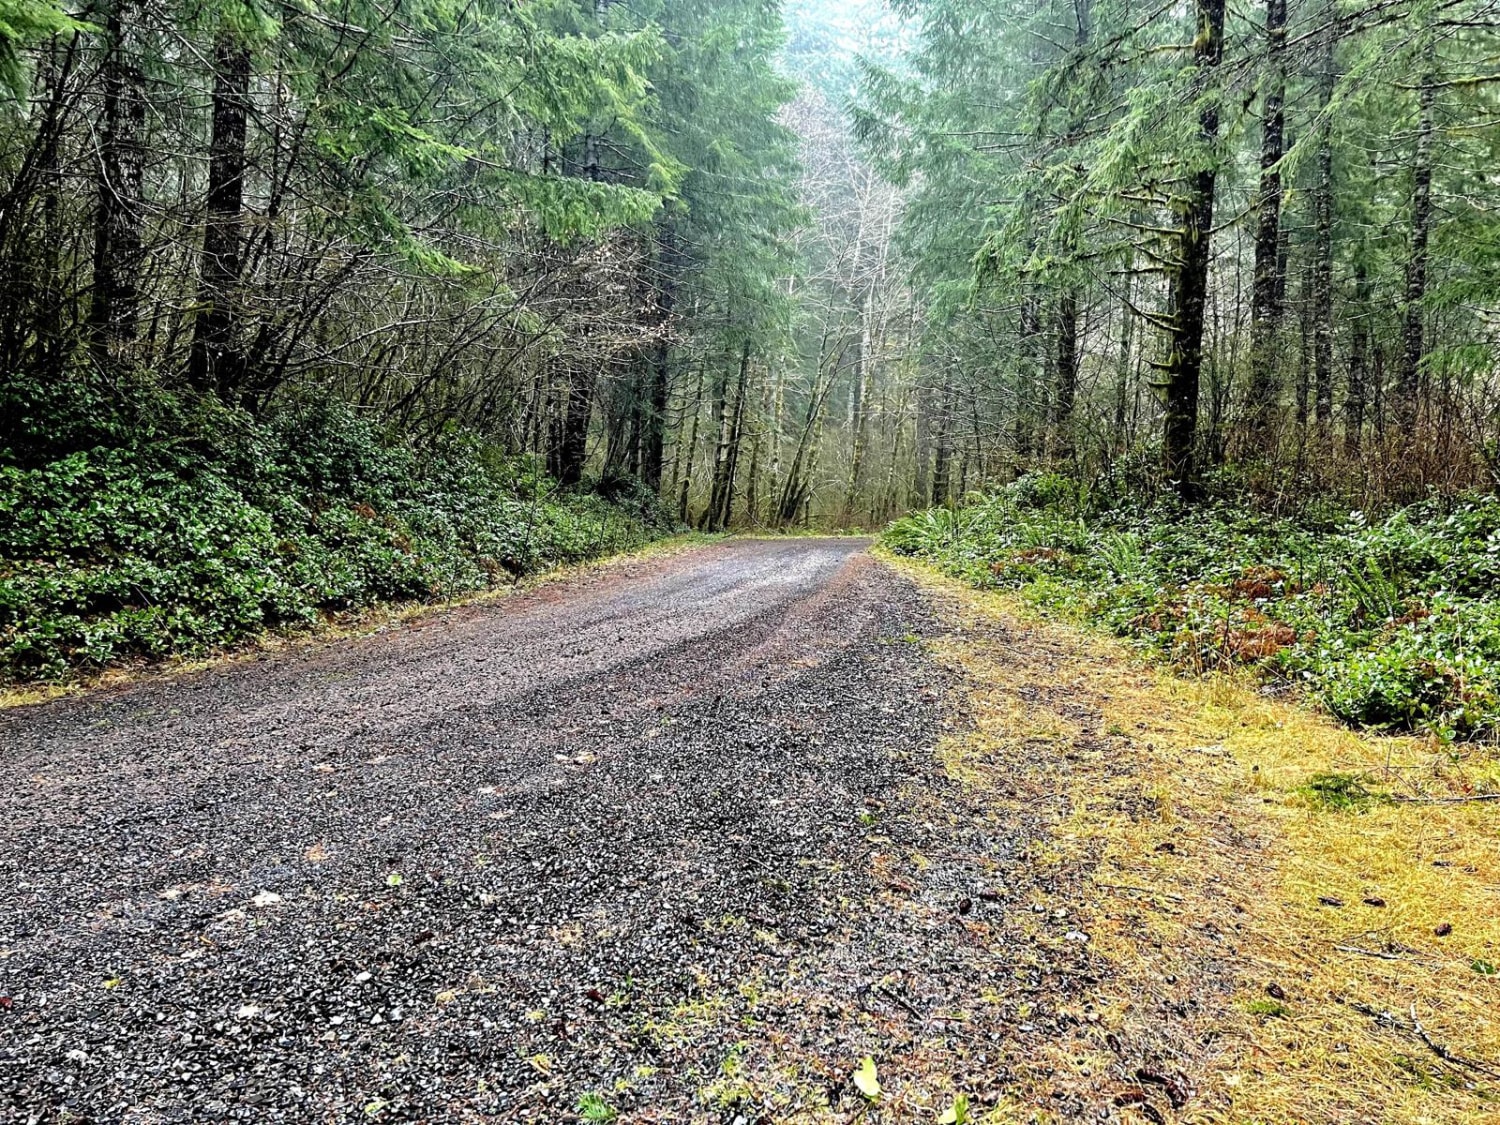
1140,890
1447,800
1415,1027
1442,1052
890,995
1369,952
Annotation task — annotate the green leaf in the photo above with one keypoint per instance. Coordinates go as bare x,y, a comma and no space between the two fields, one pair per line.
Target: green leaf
865,1078
957,1113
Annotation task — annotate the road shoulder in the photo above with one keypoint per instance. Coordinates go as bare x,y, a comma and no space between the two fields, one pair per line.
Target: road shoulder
1261,950
335,628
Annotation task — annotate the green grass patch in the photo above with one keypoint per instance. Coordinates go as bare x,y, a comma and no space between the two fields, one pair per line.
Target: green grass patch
593,1108
1341,792
1269,1009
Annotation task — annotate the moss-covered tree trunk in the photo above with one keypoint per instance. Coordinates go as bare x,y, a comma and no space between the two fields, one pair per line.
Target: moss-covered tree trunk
119,175
1265,298
1184,365
215,363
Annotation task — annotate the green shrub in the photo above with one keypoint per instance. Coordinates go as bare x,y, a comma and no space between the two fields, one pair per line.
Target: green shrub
192,540
1392,623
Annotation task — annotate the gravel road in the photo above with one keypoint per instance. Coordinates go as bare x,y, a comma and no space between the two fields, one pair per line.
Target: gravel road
477,868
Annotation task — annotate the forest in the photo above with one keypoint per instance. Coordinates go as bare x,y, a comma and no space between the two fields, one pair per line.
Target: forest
760,562
312,305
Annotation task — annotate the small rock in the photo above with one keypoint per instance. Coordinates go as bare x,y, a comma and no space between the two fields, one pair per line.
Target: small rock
1374,900
265,898
1275,991
1443,929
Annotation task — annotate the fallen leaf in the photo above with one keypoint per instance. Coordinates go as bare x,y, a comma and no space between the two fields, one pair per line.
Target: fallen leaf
393,880
1330,900
1179,1090
1275,991
1374,900
1443,929
865,1078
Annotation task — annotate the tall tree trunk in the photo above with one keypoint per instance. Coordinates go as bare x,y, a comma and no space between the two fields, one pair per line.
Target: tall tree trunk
794,492
1322,291
1065,382
1184,363
942,457
1265,299
1031,373
1413,344
572,454
659,361
1377,388
777,416
119,174
721,497
858,406
684,458
922,483
1123,362
1357,393
215,364
757,440
1304,350
32,278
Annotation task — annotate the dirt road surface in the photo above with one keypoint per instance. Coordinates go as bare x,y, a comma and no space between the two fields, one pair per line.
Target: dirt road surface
533,860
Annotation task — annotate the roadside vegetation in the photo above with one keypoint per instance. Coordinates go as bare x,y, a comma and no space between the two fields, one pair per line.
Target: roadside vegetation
1391,622
163,528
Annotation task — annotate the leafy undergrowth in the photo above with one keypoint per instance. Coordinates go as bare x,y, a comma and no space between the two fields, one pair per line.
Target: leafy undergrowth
1293,922
144,538
1391,624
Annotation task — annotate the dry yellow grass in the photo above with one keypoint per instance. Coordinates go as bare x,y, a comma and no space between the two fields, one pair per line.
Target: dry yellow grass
1294,958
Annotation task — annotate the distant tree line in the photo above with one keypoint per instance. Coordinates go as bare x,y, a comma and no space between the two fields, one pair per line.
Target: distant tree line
559,224
1151,241
666,240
